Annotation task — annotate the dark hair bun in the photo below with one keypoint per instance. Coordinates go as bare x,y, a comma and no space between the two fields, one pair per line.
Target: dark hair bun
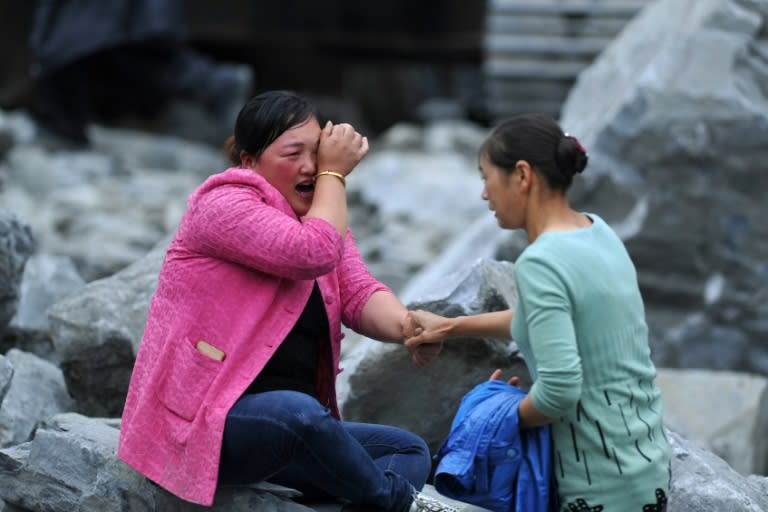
571,156
231,151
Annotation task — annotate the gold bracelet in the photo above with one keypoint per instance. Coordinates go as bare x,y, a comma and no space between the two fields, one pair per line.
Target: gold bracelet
332,173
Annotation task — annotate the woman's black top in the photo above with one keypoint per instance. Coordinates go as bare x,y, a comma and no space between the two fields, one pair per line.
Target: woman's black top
294,365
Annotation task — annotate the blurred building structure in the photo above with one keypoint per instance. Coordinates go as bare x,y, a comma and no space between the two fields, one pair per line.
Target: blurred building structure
383,58
378,63
535,49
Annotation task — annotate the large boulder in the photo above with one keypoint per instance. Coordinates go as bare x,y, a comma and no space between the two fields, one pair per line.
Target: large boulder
96,333
723,412
380,383
71,464
677,142
31,390
703,482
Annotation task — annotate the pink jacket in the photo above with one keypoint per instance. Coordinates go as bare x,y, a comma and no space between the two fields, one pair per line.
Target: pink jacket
237,275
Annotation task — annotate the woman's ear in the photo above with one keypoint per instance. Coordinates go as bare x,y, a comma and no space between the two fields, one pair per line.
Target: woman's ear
247,160
524,174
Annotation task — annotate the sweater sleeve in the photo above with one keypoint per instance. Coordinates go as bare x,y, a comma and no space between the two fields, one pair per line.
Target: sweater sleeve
552,336
235,223
356,284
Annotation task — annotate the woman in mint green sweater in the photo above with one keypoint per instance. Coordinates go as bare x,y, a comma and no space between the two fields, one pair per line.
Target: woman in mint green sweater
580,324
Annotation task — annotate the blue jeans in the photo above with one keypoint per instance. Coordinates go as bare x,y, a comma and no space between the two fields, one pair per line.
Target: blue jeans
290,439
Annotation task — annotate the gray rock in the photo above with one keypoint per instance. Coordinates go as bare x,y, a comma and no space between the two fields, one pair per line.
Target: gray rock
6,374
47,278
402,137
107,206
34,391
700,479
96,333
42,173
737,432
33,341
7,141
7,507
20,125
382,385
479,240
675,139
71,464
16,246
170,154
703,482
108,223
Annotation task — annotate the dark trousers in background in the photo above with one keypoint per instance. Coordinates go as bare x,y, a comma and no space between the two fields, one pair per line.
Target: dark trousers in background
137,80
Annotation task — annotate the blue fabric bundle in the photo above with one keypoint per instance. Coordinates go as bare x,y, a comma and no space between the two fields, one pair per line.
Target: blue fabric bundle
487,461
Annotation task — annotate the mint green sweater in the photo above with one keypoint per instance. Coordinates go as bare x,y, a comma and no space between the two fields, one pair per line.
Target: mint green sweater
580,325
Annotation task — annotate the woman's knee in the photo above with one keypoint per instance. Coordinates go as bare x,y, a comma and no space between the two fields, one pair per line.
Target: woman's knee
422,461
417,443
411,443
417,464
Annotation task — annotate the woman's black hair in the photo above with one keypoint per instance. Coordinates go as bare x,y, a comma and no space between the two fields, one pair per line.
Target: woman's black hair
538,139
263,119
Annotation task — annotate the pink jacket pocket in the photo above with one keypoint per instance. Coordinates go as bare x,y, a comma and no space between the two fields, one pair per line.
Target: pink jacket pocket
186,380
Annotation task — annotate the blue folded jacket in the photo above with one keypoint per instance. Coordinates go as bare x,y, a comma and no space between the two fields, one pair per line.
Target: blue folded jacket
486,461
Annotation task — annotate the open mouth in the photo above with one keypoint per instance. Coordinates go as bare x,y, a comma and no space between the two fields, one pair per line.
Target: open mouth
305,188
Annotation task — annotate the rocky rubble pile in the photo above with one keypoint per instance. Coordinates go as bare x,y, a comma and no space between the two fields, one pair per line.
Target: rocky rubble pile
677,143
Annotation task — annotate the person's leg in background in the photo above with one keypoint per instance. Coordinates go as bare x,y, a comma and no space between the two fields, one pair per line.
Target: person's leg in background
148,80
218,89
140,82
61,106
222,88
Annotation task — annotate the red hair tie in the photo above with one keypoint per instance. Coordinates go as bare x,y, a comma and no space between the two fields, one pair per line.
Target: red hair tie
578,144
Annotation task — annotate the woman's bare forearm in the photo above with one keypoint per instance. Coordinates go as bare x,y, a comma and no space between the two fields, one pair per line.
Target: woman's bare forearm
494,325
382,318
